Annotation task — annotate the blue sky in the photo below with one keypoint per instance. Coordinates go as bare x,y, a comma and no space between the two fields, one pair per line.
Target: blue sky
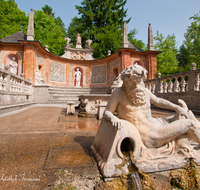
165,16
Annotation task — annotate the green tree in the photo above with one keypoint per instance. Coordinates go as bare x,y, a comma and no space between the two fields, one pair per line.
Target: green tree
99,20
133,40
166,61
49,32
11,18
183,58
192,40
48,10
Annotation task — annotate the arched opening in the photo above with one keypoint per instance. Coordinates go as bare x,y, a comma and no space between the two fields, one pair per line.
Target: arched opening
115,73
13,62
138,62
17,58
78,72
127,146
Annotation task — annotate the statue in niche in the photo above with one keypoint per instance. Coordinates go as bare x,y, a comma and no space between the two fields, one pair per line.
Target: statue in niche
158,142
78,39
13,66
38,79
77,76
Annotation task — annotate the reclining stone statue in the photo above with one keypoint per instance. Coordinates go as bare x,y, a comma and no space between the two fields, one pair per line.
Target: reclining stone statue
156,144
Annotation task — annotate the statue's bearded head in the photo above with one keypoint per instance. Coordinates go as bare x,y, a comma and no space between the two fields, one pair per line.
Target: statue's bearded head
133,81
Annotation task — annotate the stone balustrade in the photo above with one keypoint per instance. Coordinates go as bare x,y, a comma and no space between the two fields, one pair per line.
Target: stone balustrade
14,89
179,82
179,85
12,83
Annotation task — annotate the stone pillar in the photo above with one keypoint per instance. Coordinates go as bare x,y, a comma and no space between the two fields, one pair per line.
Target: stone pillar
29,62
193,79
125,36
150,39
8,83
125,58
151,66
30,33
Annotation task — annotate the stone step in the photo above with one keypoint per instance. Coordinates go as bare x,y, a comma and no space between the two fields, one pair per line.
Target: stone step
62,95
78,90
76,103
65,98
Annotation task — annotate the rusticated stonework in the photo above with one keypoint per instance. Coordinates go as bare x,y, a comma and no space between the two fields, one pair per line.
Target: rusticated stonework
78,56
114,64
41,61
98,74
57,72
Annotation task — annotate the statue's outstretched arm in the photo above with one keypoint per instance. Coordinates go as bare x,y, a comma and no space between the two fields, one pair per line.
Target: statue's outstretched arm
162,103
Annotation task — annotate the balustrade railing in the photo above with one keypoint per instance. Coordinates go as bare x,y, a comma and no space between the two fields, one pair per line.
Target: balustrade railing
12,83
181,82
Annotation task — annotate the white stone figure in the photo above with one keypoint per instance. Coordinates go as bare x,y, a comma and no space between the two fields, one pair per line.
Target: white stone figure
13,66
38,79
78,39
156,144
77,76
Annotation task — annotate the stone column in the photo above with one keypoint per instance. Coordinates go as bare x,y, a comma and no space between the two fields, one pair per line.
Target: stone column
150,39
29,61
30,33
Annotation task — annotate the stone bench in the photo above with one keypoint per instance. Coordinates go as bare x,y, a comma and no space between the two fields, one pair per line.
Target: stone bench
70,108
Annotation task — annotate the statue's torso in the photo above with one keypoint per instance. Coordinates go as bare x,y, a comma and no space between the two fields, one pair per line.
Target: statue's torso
139,116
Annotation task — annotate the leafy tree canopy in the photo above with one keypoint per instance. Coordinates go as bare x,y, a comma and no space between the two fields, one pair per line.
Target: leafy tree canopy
11,18
166,61
100,21
184,59
48,10
50,31
192,41
133,40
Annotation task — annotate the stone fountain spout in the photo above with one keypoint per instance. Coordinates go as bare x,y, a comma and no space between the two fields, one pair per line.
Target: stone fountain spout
155,144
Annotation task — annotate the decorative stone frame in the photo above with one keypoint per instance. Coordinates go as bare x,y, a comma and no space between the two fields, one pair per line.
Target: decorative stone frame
115,72
139,62
82,74
19,60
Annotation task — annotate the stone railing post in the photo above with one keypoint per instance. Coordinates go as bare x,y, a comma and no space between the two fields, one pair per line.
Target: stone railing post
23,83
193,79
8,83
157,83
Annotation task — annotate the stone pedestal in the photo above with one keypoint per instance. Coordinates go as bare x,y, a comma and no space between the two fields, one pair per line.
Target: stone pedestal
101,109
70,108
